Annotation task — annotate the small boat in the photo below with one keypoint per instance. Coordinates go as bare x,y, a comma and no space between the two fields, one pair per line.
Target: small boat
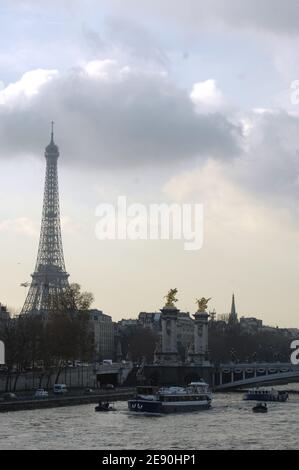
265,394
104,407
149,400
260,408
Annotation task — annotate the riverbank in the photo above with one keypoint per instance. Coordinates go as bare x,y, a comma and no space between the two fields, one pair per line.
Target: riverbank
69,400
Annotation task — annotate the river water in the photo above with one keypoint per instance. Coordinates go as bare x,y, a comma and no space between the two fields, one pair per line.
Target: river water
230,424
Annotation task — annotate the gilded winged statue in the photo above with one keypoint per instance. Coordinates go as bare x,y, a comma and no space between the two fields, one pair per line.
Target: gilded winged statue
170,298
202,304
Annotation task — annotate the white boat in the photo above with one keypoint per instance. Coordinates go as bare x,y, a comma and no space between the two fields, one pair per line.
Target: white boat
194,397
265,394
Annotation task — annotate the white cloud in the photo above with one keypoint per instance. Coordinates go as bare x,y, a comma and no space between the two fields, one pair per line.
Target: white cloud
27,87
101,69
207,97
71,226
20,225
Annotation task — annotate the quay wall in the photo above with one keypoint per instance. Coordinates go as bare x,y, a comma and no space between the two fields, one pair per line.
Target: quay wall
79,377
56,402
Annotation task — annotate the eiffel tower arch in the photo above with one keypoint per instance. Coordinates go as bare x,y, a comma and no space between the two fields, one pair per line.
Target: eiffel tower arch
50,278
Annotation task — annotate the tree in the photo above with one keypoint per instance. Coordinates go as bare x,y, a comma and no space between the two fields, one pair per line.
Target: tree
73,300
68,327
139,342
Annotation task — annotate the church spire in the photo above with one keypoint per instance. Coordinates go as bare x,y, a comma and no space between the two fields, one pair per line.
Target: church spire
233,316
233,309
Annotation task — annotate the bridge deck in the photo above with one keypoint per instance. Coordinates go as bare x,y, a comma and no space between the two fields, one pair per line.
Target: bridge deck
241,375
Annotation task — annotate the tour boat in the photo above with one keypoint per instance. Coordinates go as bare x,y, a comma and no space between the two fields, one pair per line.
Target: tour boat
266,394
194,397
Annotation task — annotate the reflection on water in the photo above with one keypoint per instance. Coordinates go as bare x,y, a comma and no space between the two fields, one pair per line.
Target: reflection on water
230,424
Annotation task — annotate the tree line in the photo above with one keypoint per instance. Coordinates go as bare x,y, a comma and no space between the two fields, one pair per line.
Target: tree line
226,344
234,344
47,342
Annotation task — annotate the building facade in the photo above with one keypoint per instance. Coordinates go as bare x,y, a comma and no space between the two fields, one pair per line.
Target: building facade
126,324
151,320
4,314
251,325
102,328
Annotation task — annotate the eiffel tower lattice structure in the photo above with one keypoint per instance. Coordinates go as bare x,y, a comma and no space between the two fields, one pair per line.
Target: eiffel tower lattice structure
50,278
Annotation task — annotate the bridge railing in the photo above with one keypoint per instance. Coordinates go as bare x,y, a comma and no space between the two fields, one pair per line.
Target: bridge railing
232,375
258,365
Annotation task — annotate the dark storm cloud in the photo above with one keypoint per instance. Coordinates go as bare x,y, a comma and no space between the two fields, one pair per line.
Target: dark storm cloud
113,117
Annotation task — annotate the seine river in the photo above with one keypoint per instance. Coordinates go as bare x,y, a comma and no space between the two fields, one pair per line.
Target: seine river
230,424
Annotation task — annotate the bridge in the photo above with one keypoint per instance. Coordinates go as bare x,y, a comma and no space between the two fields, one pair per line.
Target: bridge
234,376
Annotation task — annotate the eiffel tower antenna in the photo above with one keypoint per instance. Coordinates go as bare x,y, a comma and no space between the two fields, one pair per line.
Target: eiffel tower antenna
52,132
50,278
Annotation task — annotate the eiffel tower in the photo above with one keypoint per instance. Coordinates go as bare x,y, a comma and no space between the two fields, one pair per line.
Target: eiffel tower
50,278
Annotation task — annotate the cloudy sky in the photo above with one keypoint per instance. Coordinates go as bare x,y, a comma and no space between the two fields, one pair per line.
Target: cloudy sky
160,101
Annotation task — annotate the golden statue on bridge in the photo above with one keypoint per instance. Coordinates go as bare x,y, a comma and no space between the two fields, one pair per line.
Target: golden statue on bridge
170,298
202,304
